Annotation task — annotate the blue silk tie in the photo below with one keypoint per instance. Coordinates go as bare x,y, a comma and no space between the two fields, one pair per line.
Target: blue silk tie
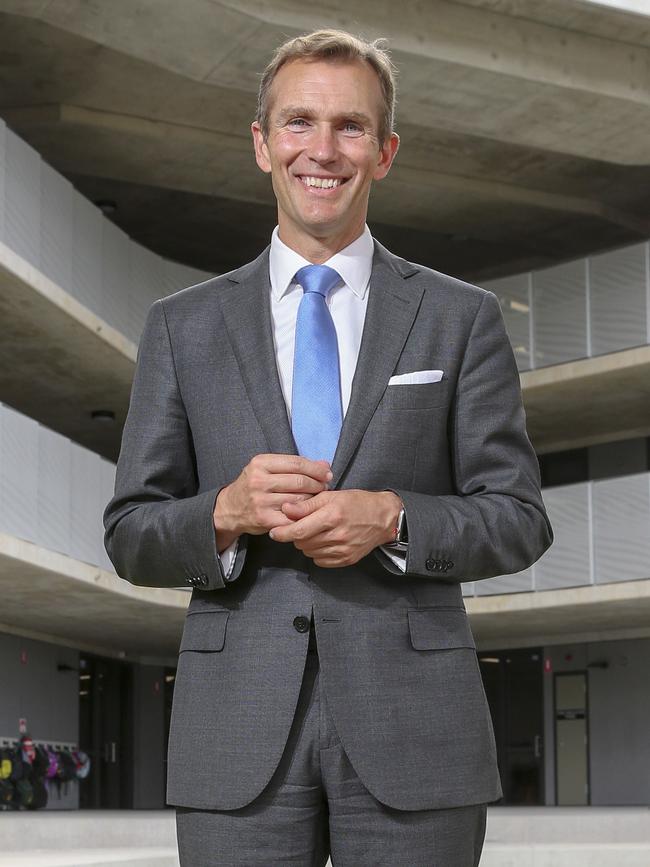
316,411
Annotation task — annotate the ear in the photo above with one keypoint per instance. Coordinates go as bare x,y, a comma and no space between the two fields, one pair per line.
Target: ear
261,150
386,156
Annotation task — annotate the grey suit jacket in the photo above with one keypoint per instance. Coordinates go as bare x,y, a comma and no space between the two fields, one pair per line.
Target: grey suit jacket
397,655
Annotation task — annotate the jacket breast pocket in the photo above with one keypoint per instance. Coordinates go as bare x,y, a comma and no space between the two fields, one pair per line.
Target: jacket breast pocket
205,631
419,396
439,628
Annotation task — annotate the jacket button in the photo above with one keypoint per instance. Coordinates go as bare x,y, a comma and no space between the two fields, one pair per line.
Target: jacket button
301,624
431,565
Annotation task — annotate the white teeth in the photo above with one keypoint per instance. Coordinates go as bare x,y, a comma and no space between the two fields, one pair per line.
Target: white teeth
321,182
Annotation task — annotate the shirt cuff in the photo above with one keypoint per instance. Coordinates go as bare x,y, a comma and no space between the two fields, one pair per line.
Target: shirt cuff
227,557
396,557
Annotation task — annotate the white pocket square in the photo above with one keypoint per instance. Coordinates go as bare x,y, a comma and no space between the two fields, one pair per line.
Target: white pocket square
418,377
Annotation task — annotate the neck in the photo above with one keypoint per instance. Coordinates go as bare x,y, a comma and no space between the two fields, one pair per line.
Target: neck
318,250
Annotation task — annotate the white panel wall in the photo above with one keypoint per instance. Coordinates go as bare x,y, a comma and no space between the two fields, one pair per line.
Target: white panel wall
567,563
54,491
106,489
617,286
22,192
57,220
559,313
513,294
115,276
86,283
49,224
86,505
602,535
18,474
146,284
516,583
579,309
622,528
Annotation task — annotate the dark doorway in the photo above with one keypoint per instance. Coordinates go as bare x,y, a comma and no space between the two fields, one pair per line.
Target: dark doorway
105,732
513,681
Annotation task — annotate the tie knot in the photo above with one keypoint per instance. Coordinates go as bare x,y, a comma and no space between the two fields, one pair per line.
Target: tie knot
317,278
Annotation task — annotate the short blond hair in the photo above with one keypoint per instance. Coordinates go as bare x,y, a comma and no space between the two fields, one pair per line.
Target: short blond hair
336,45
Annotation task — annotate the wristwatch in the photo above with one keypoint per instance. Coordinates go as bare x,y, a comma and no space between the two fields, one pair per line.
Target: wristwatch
401,535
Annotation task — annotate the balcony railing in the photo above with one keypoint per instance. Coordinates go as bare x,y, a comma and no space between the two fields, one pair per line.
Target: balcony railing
602,535
53,493
579,309
46,222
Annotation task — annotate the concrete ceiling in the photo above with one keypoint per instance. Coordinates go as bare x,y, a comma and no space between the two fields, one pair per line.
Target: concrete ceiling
524,125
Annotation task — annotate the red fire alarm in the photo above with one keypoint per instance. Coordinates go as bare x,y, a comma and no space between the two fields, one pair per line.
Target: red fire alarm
548,665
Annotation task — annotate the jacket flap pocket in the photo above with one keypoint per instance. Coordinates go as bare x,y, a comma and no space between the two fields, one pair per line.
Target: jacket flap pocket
205,631
439,628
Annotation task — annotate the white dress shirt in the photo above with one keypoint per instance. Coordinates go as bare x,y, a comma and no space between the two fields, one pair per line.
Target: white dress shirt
347,303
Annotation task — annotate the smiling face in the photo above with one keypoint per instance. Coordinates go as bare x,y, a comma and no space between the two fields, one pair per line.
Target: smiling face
323,151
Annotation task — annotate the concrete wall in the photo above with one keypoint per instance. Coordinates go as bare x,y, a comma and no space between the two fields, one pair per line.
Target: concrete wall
619,719
32,688
149,737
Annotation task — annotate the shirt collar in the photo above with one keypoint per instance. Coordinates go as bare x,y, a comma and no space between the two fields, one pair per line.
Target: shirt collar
353,263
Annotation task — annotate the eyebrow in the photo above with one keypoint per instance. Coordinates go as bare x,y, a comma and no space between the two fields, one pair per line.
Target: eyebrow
300,111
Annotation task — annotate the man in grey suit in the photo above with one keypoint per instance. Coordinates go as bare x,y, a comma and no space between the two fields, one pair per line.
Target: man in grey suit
323,444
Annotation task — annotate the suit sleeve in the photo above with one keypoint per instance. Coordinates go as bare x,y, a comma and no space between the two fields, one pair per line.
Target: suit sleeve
495,523
159,529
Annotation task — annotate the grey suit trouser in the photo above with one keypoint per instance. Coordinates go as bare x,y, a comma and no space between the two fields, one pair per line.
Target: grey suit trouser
315,806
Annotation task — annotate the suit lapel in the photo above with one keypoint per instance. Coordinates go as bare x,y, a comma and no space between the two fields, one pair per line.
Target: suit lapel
246,309
392,307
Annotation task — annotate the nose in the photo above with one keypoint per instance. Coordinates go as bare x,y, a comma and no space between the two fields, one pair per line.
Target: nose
322,143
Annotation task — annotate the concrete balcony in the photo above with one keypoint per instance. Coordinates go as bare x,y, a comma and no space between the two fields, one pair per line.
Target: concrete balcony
75,290
594,581
74,293
56,580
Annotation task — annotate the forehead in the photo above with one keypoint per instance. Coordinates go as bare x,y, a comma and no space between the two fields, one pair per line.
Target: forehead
330,86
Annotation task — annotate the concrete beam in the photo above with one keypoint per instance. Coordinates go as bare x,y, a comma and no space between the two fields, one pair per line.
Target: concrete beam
106,144
58,360
598,612
590,401
51,597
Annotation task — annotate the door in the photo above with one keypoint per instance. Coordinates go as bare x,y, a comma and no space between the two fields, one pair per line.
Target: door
571,740
513,681
105,732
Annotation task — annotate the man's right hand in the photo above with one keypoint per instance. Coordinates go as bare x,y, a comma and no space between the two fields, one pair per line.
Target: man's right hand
253,502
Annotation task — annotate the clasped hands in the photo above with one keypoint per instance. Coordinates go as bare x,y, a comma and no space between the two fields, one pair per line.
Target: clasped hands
287,496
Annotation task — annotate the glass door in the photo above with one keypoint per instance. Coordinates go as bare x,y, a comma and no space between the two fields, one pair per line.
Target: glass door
105,732
513,681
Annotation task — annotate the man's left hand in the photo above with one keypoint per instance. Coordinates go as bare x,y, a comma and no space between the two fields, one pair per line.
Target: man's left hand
338,528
